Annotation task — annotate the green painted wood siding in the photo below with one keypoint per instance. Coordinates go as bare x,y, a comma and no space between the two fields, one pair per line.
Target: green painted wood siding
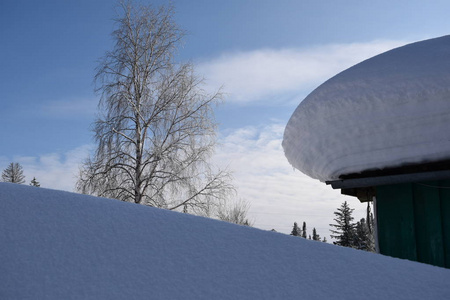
413,221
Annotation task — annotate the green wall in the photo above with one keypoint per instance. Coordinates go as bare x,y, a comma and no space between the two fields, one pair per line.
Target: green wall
413,221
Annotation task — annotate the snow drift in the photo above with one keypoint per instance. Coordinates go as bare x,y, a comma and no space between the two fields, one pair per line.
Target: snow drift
59,245
388,111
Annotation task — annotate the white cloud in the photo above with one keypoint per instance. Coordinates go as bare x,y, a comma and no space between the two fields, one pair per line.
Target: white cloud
53,170
279,196
274,74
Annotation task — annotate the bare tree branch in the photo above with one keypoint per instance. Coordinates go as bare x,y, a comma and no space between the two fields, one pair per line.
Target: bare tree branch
155,132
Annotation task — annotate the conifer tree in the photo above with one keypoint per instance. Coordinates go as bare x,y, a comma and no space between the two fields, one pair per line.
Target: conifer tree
13,173
35,183
345,229
315,236
296,230
361,239
304,230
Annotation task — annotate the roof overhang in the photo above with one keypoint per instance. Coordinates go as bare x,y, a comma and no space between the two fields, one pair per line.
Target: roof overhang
388,179
364,188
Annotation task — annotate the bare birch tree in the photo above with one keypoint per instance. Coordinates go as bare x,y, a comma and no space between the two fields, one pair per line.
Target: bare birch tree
234,212
155,132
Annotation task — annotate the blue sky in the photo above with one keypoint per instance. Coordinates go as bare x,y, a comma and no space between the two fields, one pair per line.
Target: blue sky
267,55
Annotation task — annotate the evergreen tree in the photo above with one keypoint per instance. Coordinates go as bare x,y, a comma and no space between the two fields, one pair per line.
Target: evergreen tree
35,183
345,229
13,173
315,236
361,240
296,230
304,230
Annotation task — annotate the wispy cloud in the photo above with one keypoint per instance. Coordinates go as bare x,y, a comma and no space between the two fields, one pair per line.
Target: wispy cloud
274,74
53,170
279,196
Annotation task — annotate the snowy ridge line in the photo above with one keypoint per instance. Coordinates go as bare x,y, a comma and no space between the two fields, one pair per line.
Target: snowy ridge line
60,245
388,111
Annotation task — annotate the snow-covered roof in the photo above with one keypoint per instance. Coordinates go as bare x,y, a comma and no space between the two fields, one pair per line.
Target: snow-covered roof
388,111
59,245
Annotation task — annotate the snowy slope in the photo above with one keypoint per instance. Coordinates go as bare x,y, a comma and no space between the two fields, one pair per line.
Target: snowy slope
390,110
59,245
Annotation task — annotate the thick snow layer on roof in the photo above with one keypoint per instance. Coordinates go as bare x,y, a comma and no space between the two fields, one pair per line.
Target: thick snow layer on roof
388,111
59,245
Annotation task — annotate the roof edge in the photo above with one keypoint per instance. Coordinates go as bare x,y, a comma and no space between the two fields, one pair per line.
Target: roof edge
388,179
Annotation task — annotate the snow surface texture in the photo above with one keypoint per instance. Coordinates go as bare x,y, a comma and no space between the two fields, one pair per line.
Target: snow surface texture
390,110
59,245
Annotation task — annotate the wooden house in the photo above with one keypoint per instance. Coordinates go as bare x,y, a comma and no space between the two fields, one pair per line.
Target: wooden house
412,209
380,131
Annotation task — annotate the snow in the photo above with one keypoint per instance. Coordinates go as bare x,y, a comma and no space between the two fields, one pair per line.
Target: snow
60,245
388,111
